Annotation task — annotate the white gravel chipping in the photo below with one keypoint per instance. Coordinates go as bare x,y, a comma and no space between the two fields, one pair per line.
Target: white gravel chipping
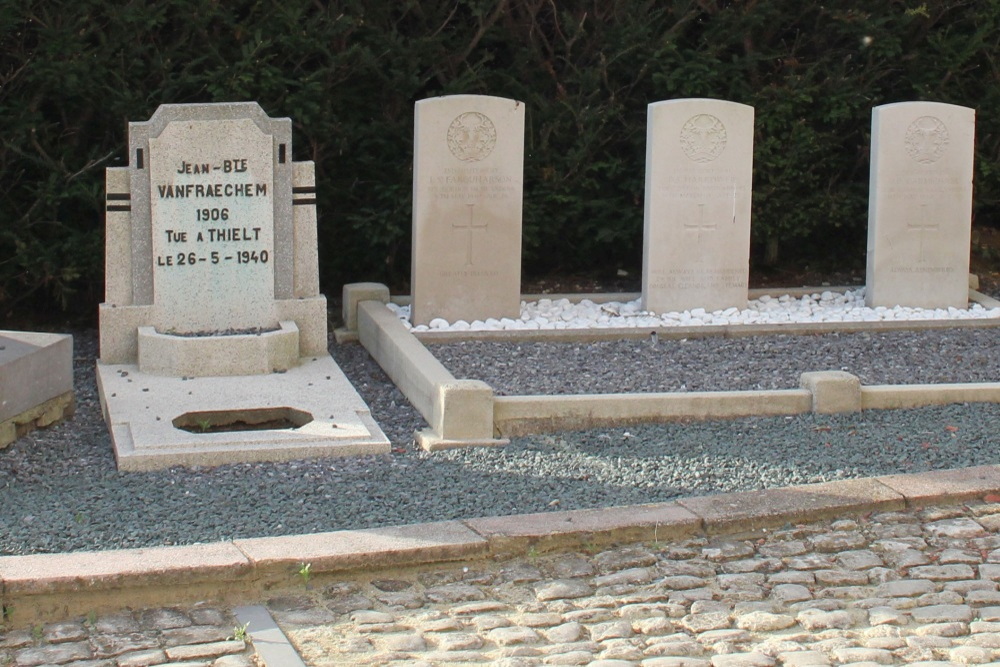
817,307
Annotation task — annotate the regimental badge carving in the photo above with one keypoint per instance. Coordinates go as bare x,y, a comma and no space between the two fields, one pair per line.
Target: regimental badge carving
472,136
926,139
703,138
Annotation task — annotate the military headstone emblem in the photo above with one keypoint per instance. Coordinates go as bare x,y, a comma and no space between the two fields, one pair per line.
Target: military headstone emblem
926,139
472,136
703,138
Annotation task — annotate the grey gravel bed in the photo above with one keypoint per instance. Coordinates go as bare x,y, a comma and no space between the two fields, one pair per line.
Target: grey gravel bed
60,491
719,364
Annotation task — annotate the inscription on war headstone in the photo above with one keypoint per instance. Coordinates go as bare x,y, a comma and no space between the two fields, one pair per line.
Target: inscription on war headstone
468,168
211,188
699,160
920,205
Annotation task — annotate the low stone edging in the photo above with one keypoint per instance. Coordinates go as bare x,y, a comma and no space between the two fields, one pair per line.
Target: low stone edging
42,588
463,413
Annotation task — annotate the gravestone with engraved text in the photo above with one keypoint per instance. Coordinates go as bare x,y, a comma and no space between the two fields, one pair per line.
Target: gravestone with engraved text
213,331
920,205
696,241
468,166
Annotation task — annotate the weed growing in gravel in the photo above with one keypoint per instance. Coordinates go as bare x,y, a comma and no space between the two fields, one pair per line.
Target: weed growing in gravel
36,633
204,424
240,632
92,618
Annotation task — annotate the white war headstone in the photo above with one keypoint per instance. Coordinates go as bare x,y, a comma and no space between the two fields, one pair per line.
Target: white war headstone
920,205
213,330
468,169
696,231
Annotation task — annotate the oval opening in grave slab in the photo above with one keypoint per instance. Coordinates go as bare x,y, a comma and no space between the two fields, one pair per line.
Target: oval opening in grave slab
251,419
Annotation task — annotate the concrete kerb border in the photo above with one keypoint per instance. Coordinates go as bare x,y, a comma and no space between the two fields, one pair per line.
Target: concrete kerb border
465,413
46,588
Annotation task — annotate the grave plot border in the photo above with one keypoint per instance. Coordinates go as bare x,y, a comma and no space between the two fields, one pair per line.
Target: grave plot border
463,413
41,588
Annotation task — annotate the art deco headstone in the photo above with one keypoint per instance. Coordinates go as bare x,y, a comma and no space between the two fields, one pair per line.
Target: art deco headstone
468,166
920,205
696,241
212,316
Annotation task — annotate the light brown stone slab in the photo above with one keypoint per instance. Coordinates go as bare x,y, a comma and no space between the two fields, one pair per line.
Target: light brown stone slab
370,548
752,510
520,415
945,486
887,397
88,570
550,530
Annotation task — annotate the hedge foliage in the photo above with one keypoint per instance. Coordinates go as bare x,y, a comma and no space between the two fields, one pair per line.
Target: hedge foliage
349,71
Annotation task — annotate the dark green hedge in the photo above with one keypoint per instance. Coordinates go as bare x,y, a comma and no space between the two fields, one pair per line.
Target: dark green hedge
72,74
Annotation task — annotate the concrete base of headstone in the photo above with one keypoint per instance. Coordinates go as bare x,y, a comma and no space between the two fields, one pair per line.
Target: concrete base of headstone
322,415
120,327
832,391
36,381
247,354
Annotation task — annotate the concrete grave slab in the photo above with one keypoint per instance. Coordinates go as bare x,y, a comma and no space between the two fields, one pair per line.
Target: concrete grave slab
468,170
146,415
920,205
212,311
36,381
696,234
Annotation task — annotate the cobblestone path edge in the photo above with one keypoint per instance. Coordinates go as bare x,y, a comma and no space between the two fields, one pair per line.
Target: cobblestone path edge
54,587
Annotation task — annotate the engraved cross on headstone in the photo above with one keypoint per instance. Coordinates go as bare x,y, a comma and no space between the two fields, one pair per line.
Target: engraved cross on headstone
470,225
921,227
701,225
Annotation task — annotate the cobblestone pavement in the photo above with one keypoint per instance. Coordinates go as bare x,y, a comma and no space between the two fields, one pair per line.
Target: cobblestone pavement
198,636
916,587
